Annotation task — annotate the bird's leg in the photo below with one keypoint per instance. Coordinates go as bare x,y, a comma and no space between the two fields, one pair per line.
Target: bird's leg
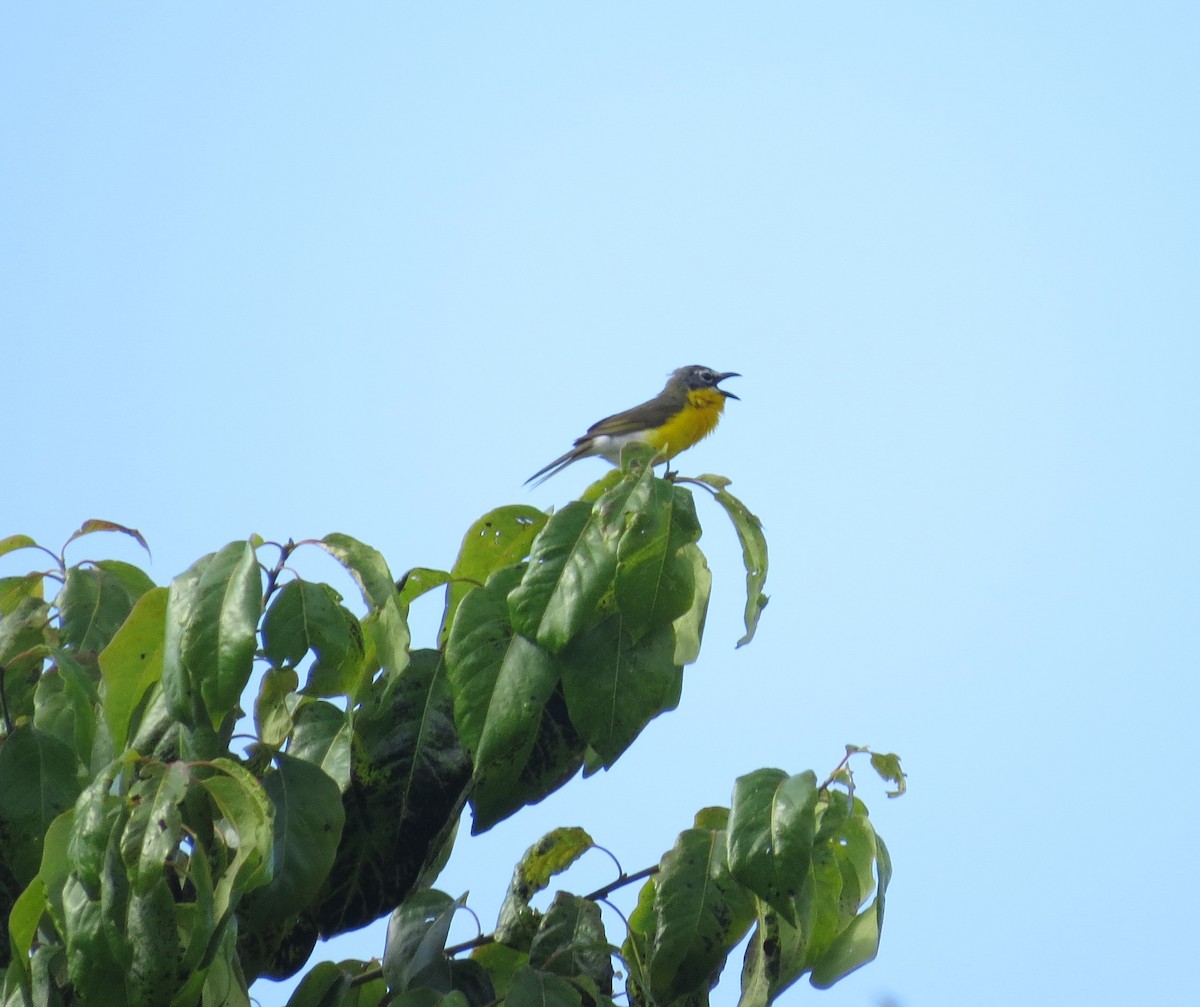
668,475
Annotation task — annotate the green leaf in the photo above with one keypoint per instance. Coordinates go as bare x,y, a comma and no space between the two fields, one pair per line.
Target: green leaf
775,959
751,838
225,983
365,565
754,550
178,679
155,824
770,835
508,709
153,935
14,590
638,946
479,640
689,627
552,854
501,963
530,988
419,581
308,820
40,782
244,823
701,914
133,661
500,538
154,730
572,563
44,892
201,920
324,985
97,811
655,584
853,948
404,797
387,625
219,638
416,940
427,996
419,725
305,616
571,942
65,703
94,604
137,582
24,918
372,992
555,756
273,705
11,543
25,639
858,941
97,953
322,736
615,687
524,682
819,904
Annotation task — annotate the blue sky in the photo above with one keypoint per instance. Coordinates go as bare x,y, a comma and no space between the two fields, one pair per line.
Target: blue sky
292,269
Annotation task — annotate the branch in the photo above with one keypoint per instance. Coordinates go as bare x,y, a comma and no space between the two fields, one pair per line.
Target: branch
376,971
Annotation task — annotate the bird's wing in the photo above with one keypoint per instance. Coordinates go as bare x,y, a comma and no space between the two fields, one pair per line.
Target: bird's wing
647,416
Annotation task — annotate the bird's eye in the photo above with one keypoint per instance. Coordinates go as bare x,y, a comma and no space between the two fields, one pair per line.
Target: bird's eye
706,377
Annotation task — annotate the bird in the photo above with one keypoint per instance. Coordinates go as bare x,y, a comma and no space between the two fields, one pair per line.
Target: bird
684,412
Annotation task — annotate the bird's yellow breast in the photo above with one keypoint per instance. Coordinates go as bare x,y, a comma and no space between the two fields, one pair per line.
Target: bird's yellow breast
695,421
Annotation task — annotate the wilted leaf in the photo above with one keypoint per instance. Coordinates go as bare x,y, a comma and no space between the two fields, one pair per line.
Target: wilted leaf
888,767
550,855
95,525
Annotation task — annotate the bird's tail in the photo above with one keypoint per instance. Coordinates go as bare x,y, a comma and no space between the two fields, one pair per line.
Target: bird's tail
556,466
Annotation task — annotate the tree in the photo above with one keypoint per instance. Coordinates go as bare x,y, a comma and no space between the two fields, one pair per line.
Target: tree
143,862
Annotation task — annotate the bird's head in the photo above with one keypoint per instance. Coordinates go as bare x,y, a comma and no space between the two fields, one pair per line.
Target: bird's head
697,376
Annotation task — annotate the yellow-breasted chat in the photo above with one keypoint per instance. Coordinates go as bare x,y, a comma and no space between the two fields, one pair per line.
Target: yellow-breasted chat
687,410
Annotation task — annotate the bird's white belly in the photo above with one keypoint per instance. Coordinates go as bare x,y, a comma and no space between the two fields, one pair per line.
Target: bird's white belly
609,447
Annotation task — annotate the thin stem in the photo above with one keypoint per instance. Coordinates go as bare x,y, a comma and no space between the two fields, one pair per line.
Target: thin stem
621,882
273,574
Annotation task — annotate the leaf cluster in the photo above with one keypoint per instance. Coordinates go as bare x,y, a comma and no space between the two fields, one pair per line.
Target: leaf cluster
144,861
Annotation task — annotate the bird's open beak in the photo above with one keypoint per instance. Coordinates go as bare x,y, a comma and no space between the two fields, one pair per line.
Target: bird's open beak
730,374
